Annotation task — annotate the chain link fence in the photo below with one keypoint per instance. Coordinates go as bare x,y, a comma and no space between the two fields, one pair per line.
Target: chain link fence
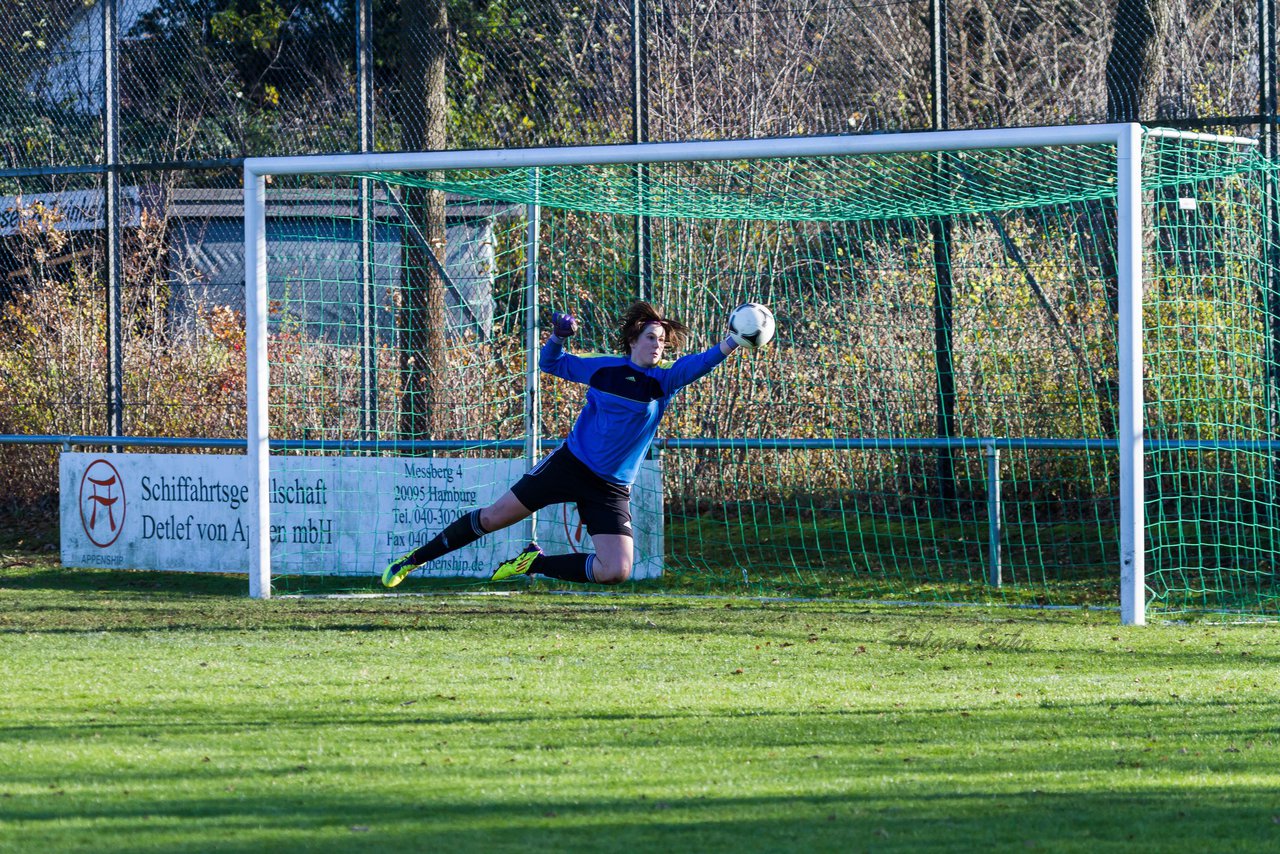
168,95
200,80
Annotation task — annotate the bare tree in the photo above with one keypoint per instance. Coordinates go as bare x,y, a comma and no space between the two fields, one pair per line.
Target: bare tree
1210,59
1014,63
727,69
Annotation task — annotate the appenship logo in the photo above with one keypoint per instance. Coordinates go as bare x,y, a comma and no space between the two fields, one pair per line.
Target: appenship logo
102,503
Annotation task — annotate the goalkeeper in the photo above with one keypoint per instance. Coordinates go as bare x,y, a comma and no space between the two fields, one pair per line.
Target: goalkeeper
597,464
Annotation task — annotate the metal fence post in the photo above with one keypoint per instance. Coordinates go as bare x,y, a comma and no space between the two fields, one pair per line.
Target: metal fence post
992,454
111,210
533,382
640,133
940,231
368,294
1267,132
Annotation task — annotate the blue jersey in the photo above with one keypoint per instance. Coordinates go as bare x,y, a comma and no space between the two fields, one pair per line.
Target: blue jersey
625,402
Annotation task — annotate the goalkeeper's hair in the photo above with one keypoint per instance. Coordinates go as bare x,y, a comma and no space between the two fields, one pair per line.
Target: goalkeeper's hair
640,315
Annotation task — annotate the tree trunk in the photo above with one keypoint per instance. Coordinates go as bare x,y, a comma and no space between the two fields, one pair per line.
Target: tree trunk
1136,60
423,105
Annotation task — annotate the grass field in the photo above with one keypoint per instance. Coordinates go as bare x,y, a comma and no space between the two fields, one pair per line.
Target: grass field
147,712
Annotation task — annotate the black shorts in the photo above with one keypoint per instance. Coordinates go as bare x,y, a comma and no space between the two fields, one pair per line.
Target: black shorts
562,478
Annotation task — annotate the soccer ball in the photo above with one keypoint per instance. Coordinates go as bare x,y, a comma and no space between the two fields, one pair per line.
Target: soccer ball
751,325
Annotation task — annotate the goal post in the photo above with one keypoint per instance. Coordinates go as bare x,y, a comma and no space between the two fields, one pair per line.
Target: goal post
752,191
1129,339
257,380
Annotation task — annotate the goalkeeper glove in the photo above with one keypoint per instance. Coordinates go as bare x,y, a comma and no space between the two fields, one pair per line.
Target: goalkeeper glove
563,324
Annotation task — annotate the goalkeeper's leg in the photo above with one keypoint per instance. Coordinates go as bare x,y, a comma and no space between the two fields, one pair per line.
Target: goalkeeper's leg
607,516
611,564
605,509
463,531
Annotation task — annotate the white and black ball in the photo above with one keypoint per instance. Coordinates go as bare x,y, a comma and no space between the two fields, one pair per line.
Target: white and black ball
751,325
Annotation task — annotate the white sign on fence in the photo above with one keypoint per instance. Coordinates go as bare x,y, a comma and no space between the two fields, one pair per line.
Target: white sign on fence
329,515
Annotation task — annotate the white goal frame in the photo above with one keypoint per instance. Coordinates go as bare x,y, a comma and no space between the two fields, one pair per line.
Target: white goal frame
1126,137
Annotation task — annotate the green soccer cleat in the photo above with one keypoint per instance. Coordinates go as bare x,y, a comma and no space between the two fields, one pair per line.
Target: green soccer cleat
518,565
398,570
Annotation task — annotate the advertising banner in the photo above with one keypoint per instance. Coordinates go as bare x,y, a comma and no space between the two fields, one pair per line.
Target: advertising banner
329,515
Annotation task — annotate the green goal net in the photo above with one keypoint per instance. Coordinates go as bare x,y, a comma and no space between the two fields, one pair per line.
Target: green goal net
937,419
